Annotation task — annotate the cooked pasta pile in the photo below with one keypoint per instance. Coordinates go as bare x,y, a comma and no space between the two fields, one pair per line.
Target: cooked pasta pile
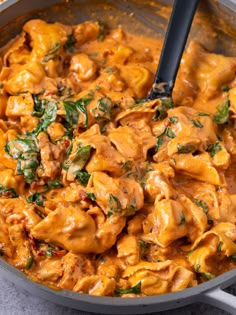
101,191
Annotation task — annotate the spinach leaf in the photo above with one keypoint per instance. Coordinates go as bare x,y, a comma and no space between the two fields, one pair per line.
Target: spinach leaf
53,184
73,109
39,106
91,196
161,111
135,289
103,111
69,44
26,152
72,114
36,198
83,177
222,114
173,119
27,165
15,148
81,157
49,116
7,192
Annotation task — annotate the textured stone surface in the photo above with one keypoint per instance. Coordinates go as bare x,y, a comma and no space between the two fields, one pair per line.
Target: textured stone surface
15,301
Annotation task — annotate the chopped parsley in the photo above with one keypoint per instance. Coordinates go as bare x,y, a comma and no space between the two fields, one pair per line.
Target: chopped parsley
160,138
52,185
202,204
173,119
196,123
109,70
182,218
219,247
100,32
135,289
213,149
203,114
50,55
114,205
29,263
187,148
222,114
197,268
69,44
49,251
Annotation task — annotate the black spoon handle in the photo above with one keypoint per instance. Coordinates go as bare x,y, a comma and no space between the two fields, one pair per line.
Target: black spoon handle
175,40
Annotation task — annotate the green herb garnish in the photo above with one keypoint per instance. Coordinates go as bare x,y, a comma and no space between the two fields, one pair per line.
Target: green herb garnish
51,53
49,251
26,152
69,44
91,196
103,111
52,185
219,247
207,276
114,205
182,218
36,198
73,109
222,114
233,258
203,114
202,204
161,111
213,149
196,123
7,192
185,148
173,119
135,289
29,263
83,177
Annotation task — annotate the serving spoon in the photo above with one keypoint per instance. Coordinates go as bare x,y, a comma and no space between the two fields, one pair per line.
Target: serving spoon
173,47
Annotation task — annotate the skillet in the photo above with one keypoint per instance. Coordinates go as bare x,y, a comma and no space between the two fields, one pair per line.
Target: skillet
13,14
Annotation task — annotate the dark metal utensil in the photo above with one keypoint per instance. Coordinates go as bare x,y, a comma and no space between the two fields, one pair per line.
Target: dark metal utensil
175,40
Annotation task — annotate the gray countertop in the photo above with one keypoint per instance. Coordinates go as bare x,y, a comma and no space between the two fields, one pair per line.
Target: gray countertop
16,301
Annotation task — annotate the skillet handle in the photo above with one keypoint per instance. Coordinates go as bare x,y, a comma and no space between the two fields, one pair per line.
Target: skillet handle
219,298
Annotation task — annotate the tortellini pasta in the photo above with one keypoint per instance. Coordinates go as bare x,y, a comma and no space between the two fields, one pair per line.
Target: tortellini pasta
102,191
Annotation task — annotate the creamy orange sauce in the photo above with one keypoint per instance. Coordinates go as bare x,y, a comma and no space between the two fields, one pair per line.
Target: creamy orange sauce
101,191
